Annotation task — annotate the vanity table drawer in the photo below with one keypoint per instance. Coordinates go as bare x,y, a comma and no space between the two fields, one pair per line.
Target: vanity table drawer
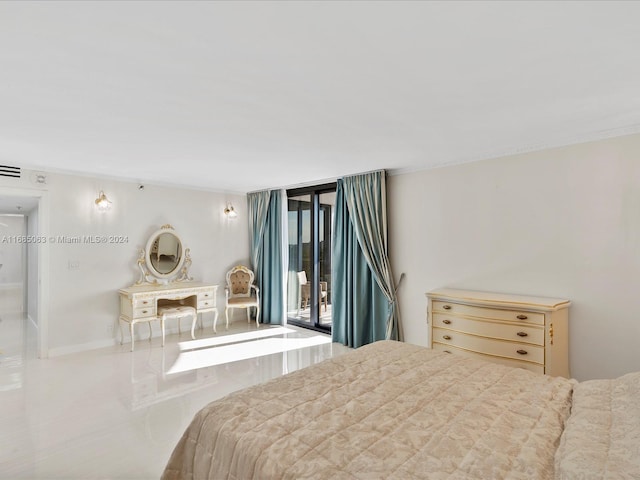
518,351
143,302
206,299
204,304
518,333
484,312
202,296
144,312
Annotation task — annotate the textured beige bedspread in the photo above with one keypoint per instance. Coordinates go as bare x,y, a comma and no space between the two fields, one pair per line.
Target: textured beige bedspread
387,410
602,436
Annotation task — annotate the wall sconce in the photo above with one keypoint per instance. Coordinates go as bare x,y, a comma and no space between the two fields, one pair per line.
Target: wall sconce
230,212
102,202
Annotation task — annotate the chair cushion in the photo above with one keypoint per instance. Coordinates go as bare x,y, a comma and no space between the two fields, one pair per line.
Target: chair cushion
242,301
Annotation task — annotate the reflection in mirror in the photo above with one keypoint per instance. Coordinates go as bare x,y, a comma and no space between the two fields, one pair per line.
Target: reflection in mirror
166,252
165,258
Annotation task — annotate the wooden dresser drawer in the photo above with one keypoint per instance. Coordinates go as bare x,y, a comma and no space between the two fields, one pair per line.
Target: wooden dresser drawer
489,346
533,367
505,331
485,312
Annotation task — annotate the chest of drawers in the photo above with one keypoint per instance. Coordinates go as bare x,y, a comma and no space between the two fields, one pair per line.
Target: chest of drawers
517,330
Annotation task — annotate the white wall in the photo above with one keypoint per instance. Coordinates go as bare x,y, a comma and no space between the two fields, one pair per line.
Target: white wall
83,301
561,223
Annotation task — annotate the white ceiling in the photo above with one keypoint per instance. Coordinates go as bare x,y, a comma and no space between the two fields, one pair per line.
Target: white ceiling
241,96
17,205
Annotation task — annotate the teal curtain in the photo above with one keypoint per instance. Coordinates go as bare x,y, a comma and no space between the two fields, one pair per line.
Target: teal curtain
265,229
360,307
364,301
258,208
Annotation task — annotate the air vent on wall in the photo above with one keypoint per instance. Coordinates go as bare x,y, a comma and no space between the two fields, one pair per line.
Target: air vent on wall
7,171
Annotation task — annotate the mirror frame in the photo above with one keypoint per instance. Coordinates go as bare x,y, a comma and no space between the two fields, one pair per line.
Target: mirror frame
149,274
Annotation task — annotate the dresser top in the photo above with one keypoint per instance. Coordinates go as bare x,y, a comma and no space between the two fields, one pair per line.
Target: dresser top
164,288
498,299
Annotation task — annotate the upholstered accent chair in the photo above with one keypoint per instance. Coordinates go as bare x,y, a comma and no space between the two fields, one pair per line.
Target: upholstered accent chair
240,292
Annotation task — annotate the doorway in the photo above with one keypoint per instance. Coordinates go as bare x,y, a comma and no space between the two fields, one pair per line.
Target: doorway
310,223
13,263
32,206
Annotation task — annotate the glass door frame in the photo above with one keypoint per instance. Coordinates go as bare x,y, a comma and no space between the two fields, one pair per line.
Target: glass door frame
314,192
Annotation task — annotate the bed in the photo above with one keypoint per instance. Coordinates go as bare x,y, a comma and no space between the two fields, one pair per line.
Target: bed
394,410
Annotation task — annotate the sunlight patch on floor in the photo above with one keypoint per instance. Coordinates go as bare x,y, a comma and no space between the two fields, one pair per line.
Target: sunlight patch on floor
202,358
234,338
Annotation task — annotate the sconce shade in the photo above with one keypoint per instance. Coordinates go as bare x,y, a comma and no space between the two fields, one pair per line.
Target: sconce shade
230,212
102,202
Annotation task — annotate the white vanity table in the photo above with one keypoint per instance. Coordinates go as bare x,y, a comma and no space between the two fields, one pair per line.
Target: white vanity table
164,282
139,303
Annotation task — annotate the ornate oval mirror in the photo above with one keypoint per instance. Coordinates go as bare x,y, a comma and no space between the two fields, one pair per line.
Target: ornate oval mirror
164,253
165,258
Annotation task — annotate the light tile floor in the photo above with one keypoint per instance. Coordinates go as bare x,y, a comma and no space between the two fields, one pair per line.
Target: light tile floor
112,413
304,315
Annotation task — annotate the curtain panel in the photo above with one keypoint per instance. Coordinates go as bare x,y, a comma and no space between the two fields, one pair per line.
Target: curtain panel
365,301
258,208
266,240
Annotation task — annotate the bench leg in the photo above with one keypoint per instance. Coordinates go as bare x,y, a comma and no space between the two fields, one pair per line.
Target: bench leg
215,320
193,326
120,328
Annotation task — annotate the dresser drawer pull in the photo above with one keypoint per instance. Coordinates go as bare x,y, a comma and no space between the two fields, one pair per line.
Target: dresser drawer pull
522,334
446,307
145,302
447,337
522,317
206,294
144,311
446,322
206,303
522,352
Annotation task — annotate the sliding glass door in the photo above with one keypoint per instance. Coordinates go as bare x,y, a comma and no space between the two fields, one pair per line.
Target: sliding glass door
309,277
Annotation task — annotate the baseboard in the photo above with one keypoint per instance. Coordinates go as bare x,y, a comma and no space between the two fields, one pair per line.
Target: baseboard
110,342
33,323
